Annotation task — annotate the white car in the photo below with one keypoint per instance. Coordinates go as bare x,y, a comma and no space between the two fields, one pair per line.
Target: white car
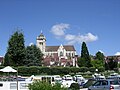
80,77
67,77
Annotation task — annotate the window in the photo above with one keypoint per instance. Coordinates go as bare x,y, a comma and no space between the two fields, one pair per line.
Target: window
61,53
13,85
1,84
23,85
69,54
104,83
97,83
41,43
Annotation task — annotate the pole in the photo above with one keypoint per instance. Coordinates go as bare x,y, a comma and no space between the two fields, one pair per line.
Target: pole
17,77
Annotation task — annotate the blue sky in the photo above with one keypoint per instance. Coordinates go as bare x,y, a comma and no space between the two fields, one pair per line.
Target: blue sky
97,22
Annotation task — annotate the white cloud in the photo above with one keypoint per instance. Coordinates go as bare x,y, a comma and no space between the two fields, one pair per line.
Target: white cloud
80,38
117,53
59,29
69,37
87,37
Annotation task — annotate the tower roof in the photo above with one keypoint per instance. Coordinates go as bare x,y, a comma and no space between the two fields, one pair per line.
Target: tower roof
41,36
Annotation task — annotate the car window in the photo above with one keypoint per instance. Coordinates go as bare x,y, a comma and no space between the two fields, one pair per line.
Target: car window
114,82
104,82
98,83
89,83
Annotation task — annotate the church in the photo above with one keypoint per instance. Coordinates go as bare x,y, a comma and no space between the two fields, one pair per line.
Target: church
63,55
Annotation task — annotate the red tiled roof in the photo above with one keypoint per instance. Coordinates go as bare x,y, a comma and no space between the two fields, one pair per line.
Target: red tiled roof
69,48
51,48
55,48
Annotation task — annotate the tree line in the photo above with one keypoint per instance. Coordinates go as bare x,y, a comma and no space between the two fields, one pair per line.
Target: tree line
97,61
18,54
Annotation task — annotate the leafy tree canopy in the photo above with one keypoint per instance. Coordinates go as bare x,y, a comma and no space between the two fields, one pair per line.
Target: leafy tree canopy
16,49
85,60
34,56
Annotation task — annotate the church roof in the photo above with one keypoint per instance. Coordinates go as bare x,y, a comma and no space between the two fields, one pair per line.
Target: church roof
55,48
51,48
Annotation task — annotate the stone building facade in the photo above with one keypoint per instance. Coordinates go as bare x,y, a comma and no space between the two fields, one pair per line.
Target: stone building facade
63,55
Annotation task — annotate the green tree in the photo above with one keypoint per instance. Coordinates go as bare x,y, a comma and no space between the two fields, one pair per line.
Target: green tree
6,60
97,63
99,60
16,50
112,63
100,56
84,60
34,56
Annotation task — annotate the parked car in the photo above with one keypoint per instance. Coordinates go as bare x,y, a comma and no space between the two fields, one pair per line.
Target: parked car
90,82
67,77
76,77
67,80
107,84
80,79
98,76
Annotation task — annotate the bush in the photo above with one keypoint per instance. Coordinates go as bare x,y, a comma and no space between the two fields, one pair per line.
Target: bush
83,69
74,86
92,69
74,70
23,70
101,69
65,70
38,85
34,70
55,70
45,70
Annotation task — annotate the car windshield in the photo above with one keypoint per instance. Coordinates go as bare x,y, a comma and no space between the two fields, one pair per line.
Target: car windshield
89,83
114,82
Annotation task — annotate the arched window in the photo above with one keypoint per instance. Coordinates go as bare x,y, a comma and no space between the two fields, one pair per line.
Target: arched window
61,53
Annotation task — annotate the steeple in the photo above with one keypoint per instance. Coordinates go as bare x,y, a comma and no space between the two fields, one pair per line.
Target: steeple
41,42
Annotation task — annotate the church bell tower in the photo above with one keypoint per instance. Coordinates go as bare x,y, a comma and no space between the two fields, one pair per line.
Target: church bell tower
41,42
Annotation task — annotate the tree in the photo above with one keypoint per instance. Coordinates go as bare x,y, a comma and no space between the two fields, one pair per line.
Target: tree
100,56
99,60
96,63
16,49
84,60
112,63
34,56
6,60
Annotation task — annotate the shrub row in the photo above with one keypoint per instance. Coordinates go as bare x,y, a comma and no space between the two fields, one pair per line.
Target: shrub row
38,85
34,70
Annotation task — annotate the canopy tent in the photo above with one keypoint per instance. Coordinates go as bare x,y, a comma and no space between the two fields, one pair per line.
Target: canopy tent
8,69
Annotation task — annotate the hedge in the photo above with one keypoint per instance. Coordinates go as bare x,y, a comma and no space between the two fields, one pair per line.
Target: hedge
36,70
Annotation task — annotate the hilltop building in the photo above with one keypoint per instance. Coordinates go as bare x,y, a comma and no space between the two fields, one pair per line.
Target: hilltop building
63,55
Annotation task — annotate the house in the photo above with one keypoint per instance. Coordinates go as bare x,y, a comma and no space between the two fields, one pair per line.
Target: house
62,55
